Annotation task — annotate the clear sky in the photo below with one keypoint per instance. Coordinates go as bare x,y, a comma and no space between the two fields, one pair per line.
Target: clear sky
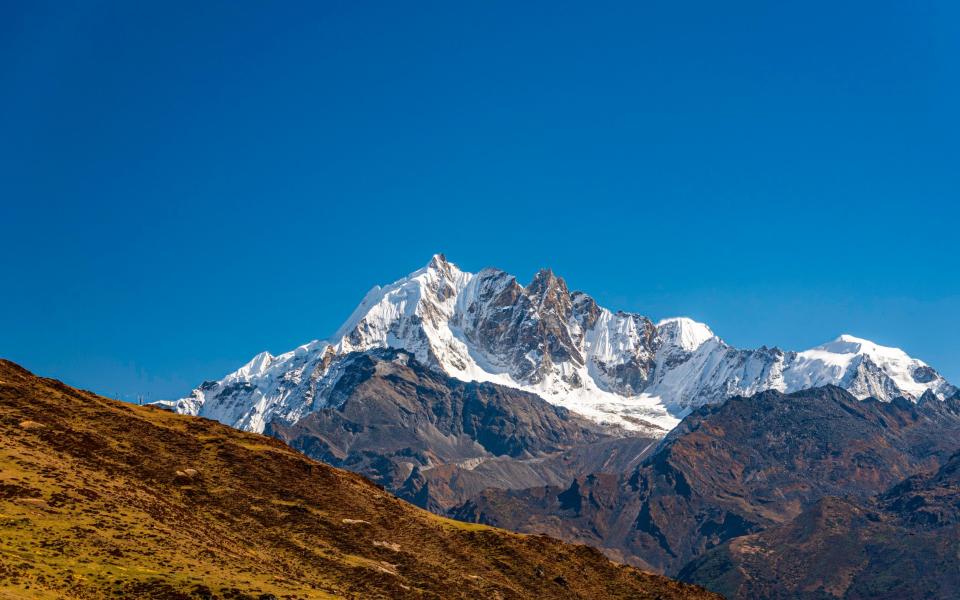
185,184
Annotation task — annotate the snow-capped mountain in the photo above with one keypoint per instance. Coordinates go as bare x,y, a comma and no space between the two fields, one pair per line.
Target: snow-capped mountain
613,367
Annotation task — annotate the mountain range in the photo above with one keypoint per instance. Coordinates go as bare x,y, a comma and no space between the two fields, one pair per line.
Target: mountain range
533,409
824,473
615,368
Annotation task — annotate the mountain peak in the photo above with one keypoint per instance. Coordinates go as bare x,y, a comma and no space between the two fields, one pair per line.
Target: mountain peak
851,344
257,366
685,332
544,272
846,337
846,343
441,269
546,281
438,261
867,369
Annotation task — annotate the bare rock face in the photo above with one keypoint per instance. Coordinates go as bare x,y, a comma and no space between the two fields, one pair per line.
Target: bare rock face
435,440
491,320
551,300
535,331
519,328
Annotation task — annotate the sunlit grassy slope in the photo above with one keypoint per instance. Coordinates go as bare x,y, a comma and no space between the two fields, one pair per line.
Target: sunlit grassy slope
100,499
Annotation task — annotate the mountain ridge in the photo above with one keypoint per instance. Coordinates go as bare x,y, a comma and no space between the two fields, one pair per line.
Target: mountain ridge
613,367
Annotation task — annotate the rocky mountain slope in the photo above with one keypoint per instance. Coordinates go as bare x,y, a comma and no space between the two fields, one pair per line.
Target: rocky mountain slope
901,544
733,469
436,441
613,367
103,499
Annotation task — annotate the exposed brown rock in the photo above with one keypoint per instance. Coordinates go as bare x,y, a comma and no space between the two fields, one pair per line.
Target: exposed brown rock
731,470
901,544
436,441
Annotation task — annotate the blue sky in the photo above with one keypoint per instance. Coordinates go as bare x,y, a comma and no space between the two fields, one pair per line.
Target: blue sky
185,184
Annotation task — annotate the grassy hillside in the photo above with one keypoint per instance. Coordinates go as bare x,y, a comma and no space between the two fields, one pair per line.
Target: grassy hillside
100,499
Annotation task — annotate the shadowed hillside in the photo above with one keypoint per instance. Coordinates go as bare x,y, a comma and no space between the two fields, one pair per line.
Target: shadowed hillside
104,499
901,544
734,469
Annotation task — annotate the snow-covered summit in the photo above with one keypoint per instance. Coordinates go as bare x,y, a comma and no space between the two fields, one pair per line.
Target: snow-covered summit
614,367
685,333
866,369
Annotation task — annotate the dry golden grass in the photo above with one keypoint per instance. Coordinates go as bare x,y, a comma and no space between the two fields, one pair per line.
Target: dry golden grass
100,499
